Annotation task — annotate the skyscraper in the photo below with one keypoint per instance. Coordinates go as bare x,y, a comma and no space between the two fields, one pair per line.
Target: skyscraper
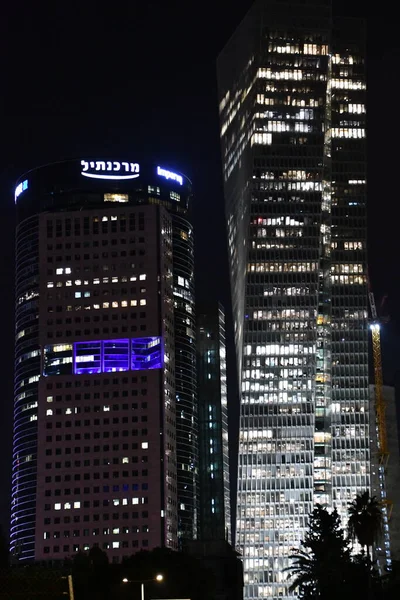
104,344
215,513
292,112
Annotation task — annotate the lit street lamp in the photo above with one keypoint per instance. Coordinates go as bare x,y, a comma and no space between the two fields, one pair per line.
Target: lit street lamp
158,578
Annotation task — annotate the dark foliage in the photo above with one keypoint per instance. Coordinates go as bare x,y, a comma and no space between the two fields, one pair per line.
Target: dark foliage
365,520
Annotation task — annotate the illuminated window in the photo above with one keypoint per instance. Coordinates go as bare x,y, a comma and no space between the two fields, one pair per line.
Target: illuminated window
116,198
263,139
145,445
153,190
115,355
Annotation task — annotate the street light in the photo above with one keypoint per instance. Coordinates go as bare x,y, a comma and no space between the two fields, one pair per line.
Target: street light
158,578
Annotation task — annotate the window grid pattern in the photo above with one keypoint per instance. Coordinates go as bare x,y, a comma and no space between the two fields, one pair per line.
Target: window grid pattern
350,393
284,432
304,155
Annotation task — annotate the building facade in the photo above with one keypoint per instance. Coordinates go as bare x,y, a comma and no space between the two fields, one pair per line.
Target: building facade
292,113
385,475
101,355
215,514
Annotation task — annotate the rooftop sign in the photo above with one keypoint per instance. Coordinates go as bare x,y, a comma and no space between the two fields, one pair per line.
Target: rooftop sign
100,169
170,175
21,187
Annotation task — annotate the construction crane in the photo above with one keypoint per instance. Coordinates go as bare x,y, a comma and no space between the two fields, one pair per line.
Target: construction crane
380,405
380,415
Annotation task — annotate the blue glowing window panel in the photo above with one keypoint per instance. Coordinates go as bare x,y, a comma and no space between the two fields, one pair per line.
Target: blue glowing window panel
115,355
146,353
87,357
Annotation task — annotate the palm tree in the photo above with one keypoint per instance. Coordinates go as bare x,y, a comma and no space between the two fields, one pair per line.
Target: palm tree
320,567
365,521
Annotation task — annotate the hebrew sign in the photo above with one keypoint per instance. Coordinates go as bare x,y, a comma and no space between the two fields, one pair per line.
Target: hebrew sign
100,169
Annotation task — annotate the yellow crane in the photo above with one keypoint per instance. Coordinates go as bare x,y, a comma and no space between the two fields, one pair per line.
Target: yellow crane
380,405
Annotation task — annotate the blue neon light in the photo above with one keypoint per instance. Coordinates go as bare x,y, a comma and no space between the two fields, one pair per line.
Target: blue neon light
170,175
146,353
103,356
115,355
87,357
21,187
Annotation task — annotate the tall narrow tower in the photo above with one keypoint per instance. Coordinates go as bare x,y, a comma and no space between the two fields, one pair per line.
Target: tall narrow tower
292,112
215,514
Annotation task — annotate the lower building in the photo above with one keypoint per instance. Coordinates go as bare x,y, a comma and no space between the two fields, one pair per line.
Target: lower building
385,476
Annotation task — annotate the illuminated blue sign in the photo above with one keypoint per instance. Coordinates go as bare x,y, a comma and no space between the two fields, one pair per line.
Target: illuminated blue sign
21,187
170,175
100,169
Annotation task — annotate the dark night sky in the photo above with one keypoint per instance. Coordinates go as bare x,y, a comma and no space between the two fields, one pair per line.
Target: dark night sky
139,77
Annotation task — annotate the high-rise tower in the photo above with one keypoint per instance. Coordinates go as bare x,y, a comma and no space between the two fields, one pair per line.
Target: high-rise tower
292,111
104,344
215,513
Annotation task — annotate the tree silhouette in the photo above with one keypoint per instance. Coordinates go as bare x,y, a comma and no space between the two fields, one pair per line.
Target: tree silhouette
91,574
365,521
321,568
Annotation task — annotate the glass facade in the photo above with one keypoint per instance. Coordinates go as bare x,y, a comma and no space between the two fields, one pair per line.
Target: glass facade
215,514
185,376
26,376
292,111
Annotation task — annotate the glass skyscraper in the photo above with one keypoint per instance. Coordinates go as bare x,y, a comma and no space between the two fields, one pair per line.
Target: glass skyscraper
292,112
215,513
